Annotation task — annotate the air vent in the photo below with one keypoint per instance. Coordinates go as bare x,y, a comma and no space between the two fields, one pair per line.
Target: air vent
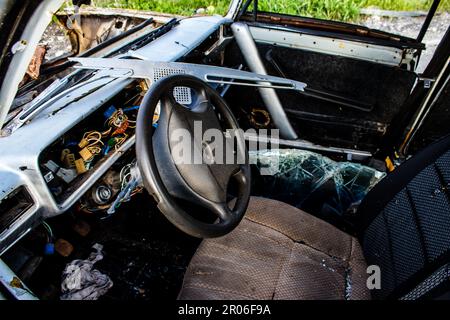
13,206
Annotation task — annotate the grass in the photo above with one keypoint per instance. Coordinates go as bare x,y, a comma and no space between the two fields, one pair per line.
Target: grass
341,10
181,7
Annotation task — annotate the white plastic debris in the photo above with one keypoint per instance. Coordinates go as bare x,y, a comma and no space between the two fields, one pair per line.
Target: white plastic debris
81,282
19,46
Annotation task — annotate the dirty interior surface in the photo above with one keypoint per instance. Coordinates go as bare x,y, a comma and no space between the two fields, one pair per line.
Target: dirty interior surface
144,255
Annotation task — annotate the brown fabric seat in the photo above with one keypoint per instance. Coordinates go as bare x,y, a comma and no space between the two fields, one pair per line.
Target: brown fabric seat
278,252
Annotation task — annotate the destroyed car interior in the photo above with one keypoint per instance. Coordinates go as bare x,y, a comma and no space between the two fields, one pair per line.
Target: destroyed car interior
344,146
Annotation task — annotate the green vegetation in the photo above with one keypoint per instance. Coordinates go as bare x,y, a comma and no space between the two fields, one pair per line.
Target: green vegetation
404,5
342,10
181,7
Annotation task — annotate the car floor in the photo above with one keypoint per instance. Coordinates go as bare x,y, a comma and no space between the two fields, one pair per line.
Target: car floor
144,255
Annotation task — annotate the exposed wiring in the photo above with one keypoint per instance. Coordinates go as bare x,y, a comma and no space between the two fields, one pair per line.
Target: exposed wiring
120,141
125,175
94,149
93,138
49,231
130,182
117,119
106,133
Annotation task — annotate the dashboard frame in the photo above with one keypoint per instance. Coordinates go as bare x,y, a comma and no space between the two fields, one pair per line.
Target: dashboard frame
19,165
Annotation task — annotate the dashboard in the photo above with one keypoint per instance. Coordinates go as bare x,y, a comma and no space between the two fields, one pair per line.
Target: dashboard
36,179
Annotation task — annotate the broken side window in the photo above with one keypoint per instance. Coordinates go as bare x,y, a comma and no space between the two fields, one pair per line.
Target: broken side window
312,182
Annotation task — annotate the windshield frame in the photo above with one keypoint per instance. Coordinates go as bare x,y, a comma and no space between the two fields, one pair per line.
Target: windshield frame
254,13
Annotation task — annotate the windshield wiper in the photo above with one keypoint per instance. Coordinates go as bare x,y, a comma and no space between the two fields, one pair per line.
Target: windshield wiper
49,96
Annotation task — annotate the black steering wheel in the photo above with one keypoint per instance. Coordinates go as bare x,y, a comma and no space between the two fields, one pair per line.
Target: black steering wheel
192,155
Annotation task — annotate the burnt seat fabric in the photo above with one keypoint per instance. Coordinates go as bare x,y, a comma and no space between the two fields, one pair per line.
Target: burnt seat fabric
278,252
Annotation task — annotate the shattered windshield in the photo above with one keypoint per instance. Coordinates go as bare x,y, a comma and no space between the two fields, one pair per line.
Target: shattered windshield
301,178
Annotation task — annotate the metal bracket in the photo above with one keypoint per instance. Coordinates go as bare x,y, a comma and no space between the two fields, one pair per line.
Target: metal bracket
220,43
427,82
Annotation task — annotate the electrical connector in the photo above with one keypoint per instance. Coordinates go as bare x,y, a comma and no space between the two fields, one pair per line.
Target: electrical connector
123,127
49,249
109,112
83,143
86,154
80,166
68,175
69,160
64,153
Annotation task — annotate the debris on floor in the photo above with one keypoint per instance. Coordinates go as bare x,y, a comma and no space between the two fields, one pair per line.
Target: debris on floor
81,281
145,256
63,247
82,228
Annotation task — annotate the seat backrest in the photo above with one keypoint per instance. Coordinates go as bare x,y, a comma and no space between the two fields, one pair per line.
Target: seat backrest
405,227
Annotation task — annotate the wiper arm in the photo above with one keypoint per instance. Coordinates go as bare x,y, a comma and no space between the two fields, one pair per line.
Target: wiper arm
33,106
49,96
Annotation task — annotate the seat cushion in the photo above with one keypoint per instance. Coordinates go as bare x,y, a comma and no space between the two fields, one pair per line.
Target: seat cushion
277,252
